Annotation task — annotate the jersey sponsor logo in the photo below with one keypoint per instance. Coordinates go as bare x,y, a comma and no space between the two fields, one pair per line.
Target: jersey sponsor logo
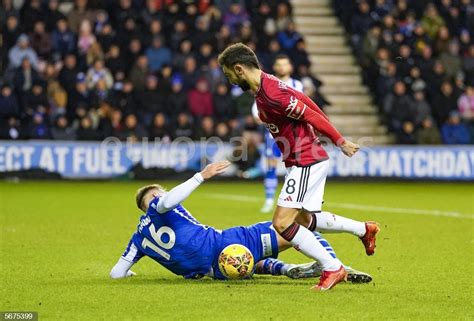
295,108
266,244
272,128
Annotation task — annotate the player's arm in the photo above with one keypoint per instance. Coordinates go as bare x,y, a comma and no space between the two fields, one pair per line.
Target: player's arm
131,256
122,269
307,110
179,193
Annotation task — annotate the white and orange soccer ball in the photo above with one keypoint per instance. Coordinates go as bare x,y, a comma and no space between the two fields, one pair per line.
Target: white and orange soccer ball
236,262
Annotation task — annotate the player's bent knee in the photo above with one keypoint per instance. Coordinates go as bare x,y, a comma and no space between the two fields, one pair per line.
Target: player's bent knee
283,218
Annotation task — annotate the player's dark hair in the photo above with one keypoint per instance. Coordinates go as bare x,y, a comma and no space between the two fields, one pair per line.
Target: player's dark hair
142,191
238,54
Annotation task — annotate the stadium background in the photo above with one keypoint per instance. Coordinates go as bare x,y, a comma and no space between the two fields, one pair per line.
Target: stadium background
87,87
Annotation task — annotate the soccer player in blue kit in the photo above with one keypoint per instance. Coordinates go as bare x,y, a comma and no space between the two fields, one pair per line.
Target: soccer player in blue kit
171,236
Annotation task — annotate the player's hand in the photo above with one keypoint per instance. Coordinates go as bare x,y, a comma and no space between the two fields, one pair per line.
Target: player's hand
214,169
349,148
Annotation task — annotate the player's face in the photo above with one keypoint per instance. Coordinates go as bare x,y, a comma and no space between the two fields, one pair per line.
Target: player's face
282,68
149,197
236,77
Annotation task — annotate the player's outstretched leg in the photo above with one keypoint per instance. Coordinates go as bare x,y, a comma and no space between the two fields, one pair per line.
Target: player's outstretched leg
332,223
303,240
294,271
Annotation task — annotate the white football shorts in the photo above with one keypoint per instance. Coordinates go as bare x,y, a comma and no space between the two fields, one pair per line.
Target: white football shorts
304,187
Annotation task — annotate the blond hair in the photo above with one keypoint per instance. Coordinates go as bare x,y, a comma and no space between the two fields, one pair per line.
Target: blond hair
142,191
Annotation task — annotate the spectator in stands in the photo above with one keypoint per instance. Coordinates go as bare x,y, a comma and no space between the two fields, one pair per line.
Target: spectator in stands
206,130
202,34
63,39
453,131
200,99
10,33
132,130
39,129
41,40
428,134
9,106
53,15
86,37
235,17
360,24
106,37
151,100
11,129
435,77
444,103
32,13
177,102
283,16
159,128
421,107
124,97
267,58
442,40
86,130
223,38
36,98
370,45
57,98
99,72
299,56
432,21
224,107
405,62
157,54
385,82
183,127
139,73
180,32
61,129
79,13
406,136
289,37
398,106
68,74
223,132
450,60
22,51
114,60
466,104
81,96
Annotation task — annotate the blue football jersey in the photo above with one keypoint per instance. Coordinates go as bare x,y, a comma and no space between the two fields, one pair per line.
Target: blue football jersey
176,240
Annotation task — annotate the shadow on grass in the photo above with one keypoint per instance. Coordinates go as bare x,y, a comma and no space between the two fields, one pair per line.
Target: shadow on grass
147,280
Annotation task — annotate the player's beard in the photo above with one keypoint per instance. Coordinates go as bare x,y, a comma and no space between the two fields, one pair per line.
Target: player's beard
243,85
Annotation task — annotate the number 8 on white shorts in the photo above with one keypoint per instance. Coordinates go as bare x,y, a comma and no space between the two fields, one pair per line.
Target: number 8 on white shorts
304,187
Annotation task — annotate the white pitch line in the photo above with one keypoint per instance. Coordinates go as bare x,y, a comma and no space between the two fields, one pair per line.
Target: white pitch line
358,207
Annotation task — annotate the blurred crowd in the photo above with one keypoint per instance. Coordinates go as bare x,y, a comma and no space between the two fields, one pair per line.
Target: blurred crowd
87,70
418,60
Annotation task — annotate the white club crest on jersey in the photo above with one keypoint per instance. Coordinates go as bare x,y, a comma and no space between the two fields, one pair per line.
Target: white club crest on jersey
295,108
272,128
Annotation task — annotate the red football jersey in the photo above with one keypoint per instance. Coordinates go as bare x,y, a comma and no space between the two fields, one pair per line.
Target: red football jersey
292,117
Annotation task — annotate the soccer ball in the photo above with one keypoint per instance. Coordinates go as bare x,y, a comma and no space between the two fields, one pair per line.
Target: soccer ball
236,262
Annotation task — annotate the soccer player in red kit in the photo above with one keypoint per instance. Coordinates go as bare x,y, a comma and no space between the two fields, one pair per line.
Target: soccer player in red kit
292,118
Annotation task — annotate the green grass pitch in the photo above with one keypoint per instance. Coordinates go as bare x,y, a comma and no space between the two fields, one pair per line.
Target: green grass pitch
59,241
